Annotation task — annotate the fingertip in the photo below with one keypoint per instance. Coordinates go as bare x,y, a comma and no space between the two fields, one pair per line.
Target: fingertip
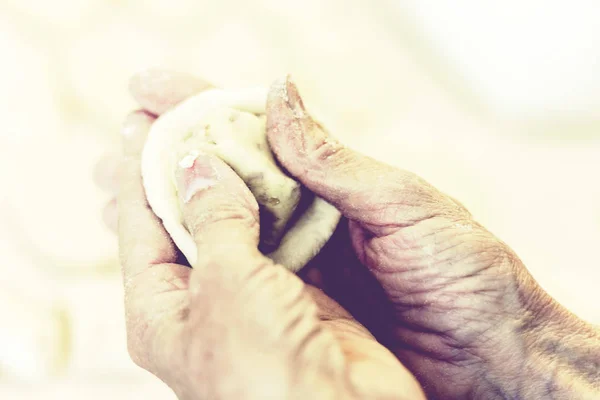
134,131
214,200
105,174
196,172
278,91
110,216
299,142
158,90
294,99
138,118
284,104
284,131
143,89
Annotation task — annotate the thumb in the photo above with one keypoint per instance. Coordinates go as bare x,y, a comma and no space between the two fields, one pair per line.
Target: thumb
365,190
240,302
217,207
247,314
222,216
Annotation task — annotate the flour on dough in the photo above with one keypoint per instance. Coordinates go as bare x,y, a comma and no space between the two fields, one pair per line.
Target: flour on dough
232,125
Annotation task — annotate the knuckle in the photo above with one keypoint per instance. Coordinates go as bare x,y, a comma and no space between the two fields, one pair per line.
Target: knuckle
325,149
482,250
413,200
223,213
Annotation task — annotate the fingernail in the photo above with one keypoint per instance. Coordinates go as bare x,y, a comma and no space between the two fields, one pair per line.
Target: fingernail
134,132
195,172
293,98
286,121
286,90
284,109
291,128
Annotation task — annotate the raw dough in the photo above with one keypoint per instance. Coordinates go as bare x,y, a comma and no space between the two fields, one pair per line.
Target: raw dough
231,125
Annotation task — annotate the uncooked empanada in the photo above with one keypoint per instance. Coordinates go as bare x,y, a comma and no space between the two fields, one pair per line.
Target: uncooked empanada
232,125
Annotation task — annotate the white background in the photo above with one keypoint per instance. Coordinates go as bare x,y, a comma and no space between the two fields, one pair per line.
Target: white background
496,103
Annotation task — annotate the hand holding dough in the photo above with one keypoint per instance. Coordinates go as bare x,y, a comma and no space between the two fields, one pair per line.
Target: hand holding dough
231,125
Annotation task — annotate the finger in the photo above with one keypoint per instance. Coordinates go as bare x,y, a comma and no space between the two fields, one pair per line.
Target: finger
106,173
361,187
142,238
110,216
218,208
158,90
155,287
239,301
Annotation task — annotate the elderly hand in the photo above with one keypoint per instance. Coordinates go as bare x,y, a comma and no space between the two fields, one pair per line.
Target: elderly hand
457,305
450,300
236,326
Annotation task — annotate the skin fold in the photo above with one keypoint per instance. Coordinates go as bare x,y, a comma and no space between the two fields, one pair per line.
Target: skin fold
408,266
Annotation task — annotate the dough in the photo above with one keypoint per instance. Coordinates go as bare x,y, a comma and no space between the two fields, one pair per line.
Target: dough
232,125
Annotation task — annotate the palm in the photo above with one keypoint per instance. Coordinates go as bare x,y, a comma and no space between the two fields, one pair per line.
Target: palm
370,370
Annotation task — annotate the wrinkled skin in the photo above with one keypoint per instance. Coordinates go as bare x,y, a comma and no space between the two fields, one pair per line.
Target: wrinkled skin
446,297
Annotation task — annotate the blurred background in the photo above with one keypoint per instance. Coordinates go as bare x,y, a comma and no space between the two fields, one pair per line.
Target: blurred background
496,103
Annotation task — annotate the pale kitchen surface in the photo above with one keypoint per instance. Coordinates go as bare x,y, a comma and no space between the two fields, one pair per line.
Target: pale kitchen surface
498,105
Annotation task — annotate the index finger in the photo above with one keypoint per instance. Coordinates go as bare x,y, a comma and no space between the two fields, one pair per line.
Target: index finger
155,285
143,241
142,238
146,251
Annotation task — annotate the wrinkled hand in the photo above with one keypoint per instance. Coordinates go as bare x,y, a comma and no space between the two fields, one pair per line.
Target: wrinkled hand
453,302
236,326
449,299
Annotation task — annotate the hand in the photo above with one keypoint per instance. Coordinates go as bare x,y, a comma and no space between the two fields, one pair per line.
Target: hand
236,326
453,302
447,297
